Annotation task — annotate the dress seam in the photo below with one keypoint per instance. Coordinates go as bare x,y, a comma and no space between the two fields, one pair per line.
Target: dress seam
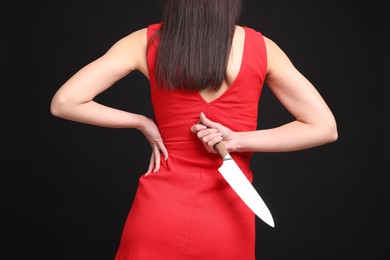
192,216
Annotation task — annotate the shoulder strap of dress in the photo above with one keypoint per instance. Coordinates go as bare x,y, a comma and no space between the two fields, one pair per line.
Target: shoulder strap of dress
152,43
257,47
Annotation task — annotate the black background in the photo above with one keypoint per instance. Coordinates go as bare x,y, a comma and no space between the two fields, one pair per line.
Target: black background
67,187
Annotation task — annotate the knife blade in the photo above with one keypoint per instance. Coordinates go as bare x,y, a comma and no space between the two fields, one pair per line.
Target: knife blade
234,176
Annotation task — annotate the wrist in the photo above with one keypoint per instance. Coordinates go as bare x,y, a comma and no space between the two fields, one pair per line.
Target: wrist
241,142
237,145
141,123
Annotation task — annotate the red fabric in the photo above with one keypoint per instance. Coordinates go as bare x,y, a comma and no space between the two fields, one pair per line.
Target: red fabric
187,210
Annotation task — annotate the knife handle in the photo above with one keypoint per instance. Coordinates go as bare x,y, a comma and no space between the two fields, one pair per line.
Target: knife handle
219,147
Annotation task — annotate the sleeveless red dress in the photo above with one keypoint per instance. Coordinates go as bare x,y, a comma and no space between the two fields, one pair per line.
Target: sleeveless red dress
187,210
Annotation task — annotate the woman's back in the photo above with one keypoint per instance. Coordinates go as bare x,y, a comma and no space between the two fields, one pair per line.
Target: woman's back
188,186
235,104
233,66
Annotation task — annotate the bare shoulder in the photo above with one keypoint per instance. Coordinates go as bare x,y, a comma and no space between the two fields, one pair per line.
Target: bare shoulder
139,36
271,46
131,50
134,40
276,57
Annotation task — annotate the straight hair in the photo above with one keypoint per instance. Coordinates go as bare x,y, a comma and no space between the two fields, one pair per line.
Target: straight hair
195,41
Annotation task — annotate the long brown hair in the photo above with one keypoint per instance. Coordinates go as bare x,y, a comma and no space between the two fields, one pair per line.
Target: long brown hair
195,42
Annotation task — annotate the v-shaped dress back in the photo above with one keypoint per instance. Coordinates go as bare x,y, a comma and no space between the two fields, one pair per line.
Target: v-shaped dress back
187,210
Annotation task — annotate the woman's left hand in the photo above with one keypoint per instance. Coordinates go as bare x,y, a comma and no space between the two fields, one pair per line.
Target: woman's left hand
211,133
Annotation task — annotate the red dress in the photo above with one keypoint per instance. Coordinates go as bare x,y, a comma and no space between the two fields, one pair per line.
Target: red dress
187,210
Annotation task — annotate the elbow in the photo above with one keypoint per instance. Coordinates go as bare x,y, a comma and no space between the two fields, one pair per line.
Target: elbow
55,109
58,106
331,133
334,135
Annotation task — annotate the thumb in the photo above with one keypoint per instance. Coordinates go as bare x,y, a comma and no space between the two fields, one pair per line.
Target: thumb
207,122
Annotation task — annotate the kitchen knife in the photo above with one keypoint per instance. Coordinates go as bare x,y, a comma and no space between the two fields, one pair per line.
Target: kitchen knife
242,186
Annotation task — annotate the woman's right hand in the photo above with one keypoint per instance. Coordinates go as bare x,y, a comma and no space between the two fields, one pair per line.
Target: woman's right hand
152,133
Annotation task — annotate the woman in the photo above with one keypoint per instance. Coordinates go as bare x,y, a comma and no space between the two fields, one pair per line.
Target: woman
201,66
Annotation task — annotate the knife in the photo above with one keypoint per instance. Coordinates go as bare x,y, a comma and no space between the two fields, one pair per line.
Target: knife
241,185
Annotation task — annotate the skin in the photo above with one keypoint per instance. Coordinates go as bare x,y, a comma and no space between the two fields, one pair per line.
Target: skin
314,122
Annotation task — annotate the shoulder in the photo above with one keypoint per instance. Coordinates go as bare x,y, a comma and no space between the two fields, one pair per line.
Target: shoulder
270,44
277,60
274,51
134,38
255,37
129,51
252,31
279,64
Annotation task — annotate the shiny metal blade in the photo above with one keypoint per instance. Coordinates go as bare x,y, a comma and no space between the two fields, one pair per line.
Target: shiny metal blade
245,190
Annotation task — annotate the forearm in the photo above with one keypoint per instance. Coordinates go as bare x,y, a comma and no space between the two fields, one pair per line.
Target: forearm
96,114
289,137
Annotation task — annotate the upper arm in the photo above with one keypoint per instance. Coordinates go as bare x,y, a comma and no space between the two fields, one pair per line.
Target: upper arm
296,93
126,55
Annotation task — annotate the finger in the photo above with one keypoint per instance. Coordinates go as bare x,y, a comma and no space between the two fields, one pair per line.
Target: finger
210,149
209,131
151,165
198,127
207,122
164,151
214,141
210,137
156,159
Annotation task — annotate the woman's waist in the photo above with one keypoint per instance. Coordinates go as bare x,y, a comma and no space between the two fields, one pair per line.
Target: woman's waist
193,155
